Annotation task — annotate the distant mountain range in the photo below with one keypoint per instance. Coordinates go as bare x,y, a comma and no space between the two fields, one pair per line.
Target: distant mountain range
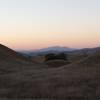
58,49
54,49
89,51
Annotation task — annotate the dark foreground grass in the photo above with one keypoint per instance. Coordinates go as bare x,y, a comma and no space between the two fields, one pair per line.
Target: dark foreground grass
66,83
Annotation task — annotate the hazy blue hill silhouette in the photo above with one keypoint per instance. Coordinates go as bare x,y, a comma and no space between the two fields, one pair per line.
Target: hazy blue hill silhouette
44,51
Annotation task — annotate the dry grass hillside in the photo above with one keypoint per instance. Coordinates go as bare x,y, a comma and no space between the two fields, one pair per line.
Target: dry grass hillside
7,54
56,63
38,59
11,61
76,81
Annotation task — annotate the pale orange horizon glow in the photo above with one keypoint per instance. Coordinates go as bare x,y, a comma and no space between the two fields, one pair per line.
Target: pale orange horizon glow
32,24
34,41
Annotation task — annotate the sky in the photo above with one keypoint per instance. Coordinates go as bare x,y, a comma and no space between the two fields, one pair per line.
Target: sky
34,24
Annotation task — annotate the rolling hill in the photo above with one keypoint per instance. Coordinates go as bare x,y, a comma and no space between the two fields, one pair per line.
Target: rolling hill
79,80
7,54
11,60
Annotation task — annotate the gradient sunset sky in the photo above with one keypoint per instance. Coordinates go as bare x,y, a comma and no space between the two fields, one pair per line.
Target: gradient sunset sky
34,24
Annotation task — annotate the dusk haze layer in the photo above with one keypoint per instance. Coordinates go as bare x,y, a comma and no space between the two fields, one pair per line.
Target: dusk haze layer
34,24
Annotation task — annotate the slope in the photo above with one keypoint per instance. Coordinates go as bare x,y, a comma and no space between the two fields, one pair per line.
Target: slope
7,54
77,81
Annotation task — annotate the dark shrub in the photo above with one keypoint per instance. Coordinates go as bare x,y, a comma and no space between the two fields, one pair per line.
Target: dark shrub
52,56
62,56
